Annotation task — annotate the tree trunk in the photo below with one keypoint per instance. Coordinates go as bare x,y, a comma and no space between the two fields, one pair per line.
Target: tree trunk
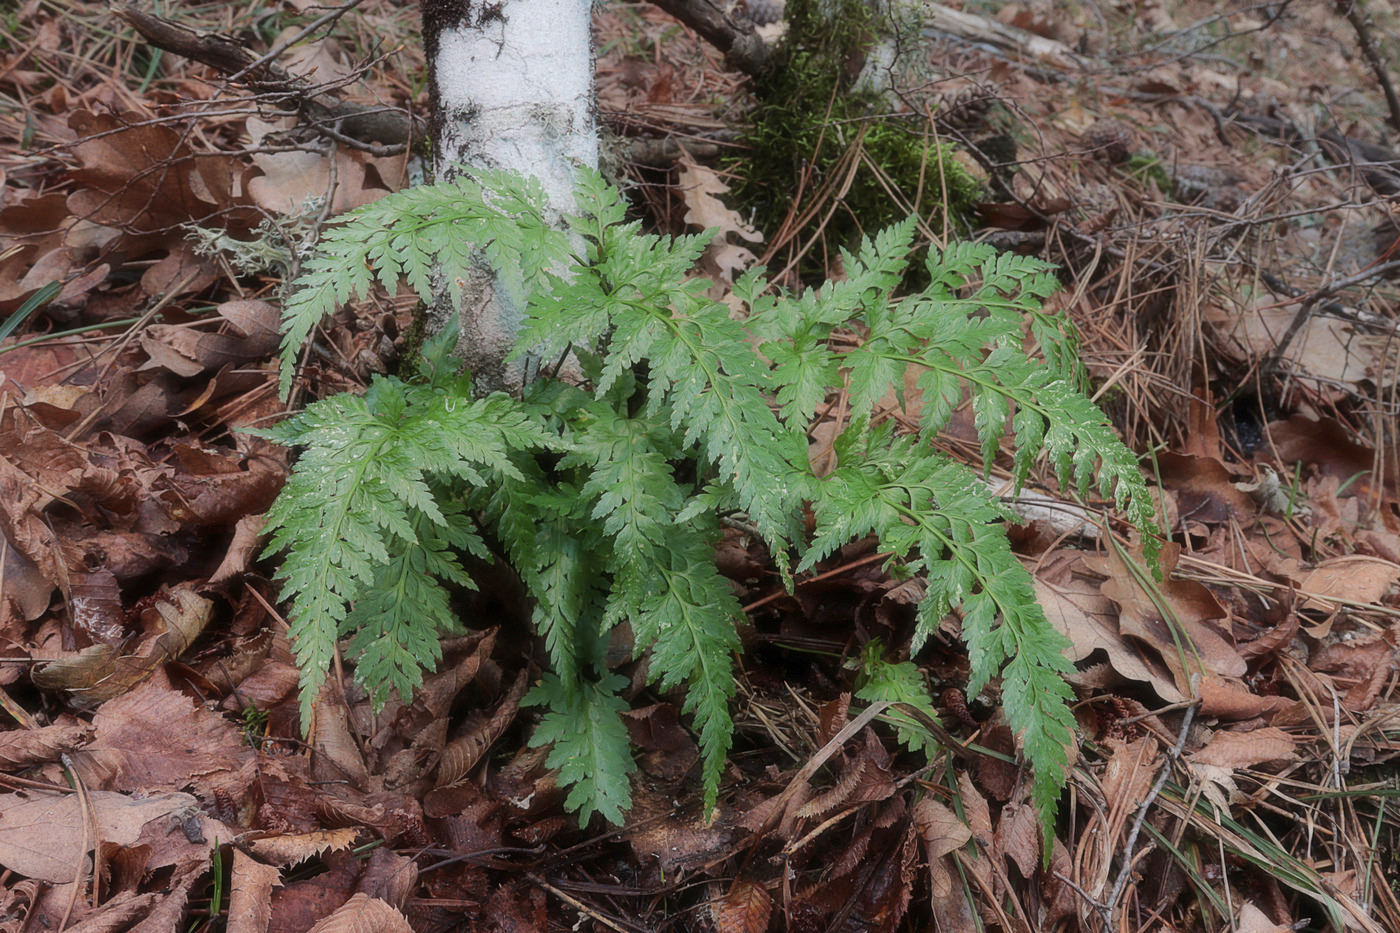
511,84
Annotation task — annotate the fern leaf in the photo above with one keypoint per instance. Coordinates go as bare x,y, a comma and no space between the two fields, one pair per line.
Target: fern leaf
427,234
396,623
361,486
932,514
689,625
899,683
590,745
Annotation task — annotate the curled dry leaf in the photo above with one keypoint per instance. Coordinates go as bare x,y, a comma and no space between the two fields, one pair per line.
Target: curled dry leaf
462,754
101,672
20,748
287,851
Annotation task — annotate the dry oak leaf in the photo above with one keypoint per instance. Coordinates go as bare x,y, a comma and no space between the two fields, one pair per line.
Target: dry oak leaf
1089,620
43,837
364,914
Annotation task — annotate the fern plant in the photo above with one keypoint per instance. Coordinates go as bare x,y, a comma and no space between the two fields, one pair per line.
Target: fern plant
607,494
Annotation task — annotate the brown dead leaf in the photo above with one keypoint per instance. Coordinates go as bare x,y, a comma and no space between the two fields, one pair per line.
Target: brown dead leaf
1352,577
940,828
1253,920
42,837
746,908
144,179
1074,604
293,180
168,914
1364,662
461,755
390,877
156,737
364,914
102,672
337,756
1018,838
1205,489
1333,351
286,851
250,894
1129,772
20,748
1246,749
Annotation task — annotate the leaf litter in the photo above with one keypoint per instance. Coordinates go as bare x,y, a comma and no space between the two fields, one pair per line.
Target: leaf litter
155,775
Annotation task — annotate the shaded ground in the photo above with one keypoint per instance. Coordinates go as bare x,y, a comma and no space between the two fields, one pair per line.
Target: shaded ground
1206,182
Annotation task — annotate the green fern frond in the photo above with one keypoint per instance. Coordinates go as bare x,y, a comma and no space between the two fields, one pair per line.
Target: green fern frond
933,515
590,745
396,624
605,495
896,684
430,236
689,625
361,486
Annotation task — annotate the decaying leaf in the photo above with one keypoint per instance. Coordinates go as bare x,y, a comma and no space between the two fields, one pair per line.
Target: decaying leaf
745,908
44,836
286,851
20,748
250,894
101,672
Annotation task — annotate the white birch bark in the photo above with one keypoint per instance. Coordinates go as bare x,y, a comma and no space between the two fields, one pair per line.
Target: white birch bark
512,84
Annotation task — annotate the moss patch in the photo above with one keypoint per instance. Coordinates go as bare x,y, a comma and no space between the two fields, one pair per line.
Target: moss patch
809,119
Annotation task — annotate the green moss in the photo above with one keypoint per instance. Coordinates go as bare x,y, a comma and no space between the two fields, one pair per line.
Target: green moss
808,119
1145,166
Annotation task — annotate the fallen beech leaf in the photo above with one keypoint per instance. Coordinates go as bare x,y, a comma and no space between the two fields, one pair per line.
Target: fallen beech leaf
746,908
287,851
1353,577
389,877
337,756
42,837
364,914
1018,838
939,827
20,748
156,737
461,755
250,894
1246,749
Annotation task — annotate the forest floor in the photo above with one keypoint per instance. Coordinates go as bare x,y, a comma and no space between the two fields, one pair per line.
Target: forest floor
1214,187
